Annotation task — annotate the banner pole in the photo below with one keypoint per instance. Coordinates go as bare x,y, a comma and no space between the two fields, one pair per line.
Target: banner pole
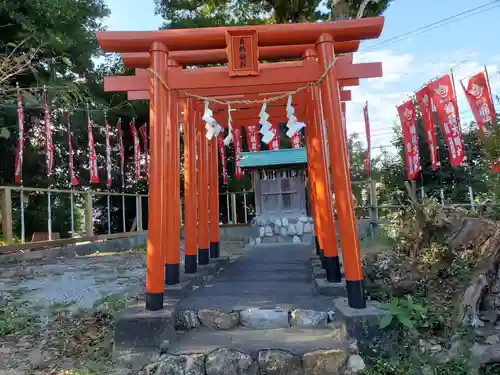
440,173
23,236
72,207
49,214
422,189
468,166
491,94
70,175
108,170
49,197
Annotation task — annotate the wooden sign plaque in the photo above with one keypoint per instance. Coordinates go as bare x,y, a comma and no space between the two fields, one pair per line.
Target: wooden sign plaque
242,52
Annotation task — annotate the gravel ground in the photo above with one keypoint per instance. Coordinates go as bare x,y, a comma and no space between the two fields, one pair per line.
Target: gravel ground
79,282
46,289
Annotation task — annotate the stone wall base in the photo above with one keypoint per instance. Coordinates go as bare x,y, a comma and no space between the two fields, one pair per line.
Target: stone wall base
286,229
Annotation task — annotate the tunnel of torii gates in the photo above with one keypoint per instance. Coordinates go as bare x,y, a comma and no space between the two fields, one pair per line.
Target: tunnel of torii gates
176,95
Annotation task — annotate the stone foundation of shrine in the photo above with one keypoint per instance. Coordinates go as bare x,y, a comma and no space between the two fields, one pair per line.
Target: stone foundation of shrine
274,229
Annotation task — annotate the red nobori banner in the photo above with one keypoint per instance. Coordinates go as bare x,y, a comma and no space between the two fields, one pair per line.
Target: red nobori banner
253,141
108,155
406,113
49,146
119,136
94,172
446,108
275,143
237,151
368,139
296,140
72,178
424,102
18,169
478,96
481,105
223,159
144,135
137,150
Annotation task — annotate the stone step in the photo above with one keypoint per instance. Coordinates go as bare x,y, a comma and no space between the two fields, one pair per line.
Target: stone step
295,340
252,318
325,288
288,301
290,351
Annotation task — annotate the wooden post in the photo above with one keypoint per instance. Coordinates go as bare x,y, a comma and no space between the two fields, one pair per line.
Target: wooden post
89,215
214,198
341,175
373,206
190,229
235,214
7,216
155,272
203,236
140,226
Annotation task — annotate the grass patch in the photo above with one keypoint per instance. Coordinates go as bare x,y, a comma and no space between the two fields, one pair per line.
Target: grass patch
86,335
61,306
16,322
112,303
491,369
375,243
418,366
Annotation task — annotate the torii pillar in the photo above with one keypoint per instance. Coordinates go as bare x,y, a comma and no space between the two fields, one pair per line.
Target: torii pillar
213,178
341,176
155,275
190,191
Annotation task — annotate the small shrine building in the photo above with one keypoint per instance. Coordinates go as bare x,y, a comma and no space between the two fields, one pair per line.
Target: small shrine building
279,183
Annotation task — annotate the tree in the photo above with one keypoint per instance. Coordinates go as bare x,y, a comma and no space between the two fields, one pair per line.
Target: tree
200,13
59,38
355,9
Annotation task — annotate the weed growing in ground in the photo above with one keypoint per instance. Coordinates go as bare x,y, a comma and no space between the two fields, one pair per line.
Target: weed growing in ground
112,303
15,321
411,366
61,306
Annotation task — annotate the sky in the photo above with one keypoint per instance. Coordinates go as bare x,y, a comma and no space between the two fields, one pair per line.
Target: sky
465,44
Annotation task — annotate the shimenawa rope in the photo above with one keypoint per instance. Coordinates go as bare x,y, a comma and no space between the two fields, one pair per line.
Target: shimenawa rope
262,101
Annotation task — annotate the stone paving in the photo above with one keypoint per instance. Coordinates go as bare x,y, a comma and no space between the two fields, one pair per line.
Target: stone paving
265,277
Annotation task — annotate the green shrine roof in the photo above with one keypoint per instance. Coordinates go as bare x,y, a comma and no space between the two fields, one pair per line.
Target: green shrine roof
285,156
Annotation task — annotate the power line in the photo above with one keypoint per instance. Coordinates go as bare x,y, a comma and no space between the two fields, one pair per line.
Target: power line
437,24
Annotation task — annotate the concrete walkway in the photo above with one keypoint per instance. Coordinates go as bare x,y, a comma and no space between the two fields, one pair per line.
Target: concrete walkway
268,276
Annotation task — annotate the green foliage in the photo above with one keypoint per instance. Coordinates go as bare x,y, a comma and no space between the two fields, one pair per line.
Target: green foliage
349,9
402,229
490,369
62,32
407,366
14,321
112,303
201,13
409,314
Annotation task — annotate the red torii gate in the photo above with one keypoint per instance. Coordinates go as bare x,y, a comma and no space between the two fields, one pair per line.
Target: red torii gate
168,83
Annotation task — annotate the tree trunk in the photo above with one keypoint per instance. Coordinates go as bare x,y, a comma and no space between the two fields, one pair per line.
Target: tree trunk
341,11
411,188
362,8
